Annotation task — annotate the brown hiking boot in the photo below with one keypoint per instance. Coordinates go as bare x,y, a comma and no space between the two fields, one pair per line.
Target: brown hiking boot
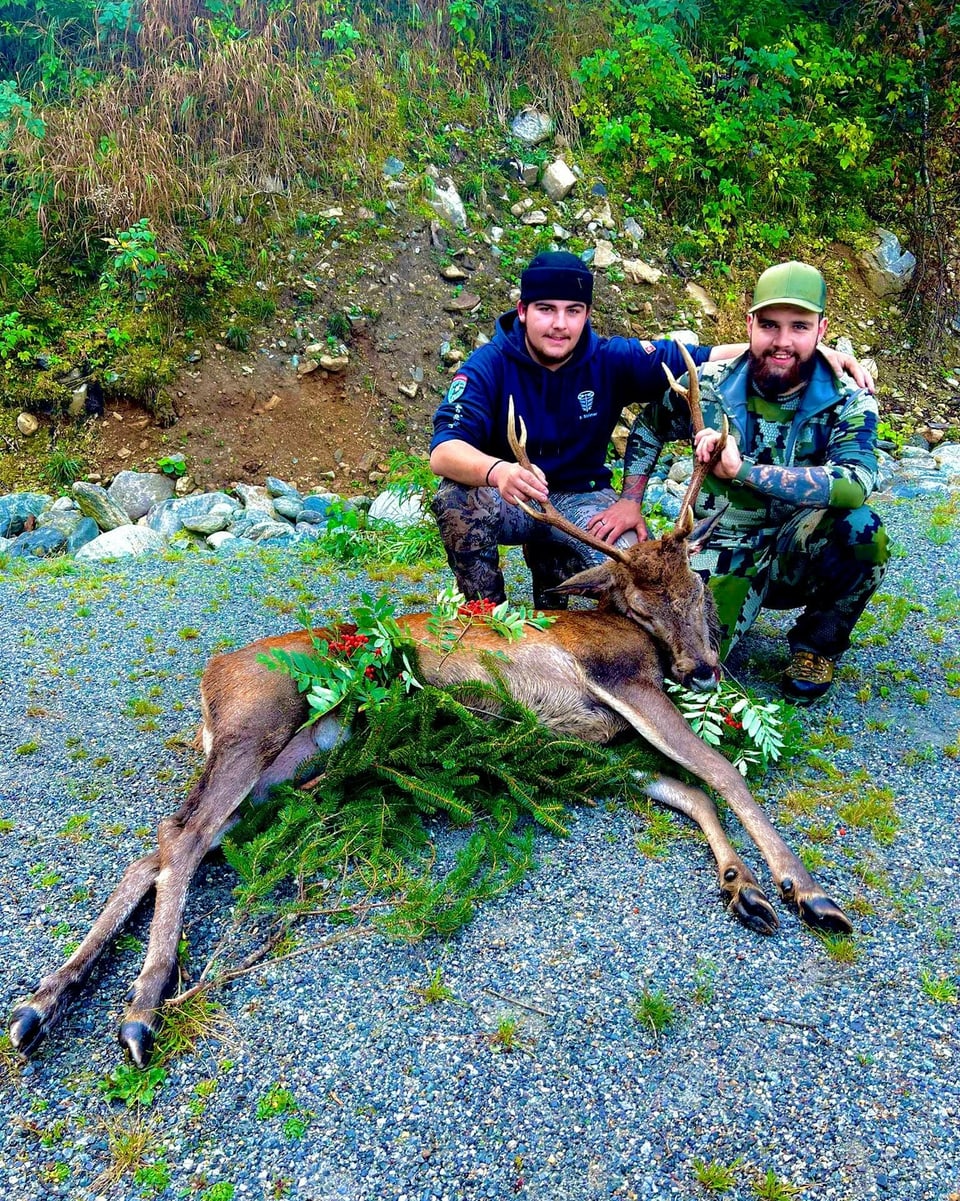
807,677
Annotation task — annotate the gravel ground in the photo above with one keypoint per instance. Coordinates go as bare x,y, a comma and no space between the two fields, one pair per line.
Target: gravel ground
840,1078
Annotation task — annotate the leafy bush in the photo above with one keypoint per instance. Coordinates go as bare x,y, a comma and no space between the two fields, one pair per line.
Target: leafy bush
747,136
136,259
751,732
16,338
173,465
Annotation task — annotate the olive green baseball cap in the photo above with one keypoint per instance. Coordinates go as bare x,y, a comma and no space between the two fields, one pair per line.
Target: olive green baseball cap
794,283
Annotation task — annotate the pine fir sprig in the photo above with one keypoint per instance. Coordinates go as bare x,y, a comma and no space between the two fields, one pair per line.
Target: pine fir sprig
471,754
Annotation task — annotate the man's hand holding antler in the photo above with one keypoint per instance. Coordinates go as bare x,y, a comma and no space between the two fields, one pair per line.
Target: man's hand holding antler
705,443
515,482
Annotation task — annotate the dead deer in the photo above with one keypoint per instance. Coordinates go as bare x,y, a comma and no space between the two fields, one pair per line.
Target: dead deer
594,674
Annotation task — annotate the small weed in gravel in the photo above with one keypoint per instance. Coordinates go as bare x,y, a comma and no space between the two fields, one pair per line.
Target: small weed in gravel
653,1009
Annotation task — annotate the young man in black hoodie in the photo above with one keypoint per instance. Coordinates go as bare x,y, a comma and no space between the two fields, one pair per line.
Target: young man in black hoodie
569,385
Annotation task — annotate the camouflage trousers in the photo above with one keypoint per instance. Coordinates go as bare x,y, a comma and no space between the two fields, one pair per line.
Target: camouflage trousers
475,522
828,562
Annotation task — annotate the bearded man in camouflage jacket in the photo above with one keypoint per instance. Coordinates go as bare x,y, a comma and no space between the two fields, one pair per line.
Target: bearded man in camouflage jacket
797,469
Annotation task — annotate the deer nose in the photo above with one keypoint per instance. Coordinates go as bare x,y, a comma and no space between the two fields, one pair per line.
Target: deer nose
703,678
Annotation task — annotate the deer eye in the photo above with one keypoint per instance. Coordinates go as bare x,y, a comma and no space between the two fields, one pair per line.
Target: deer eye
639,606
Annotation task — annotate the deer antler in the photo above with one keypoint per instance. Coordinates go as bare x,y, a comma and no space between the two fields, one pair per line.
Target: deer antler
691,395
547,513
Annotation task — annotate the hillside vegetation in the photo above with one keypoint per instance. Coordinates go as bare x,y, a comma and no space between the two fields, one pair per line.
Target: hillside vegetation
167,169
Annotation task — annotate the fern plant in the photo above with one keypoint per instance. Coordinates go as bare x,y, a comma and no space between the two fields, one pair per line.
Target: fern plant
750,731
358,667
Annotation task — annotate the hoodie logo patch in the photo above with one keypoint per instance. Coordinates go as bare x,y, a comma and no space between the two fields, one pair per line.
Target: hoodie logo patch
586,400
458,386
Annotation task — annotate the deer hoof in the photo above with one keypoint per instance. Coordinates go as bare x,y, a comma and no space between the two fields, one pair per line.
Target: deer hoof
820,913
752,909
27,1029
137,1039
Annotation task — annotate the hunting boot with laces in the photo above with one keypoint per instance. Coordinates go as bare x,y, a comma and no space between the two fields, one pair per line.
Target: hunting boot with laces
807,677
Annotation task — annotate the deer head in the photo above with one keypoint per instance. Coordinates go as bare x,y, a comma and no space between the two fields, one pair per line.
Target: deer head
652,582
654,585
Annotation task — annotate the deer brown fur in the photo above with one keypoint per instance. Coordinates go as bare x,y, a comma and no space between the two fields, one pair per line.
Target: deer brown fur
593,674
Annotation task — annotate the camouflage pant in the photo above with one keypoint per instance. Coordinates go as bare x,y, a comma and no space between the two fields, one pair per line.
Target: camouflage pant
475,522
829,562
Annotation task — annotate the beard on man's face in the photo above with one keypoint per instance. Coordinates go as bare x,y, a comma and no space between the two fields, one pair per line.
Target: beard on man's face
774,378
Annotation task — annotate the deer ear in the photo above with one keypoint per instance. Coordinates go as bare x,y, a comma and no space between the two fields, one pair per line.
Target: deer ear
595,581
702,532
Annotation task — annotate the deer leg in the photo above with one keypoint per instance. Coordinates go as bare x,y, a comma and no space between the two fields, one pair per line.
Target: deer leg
234,766
186,837
182,849
31,1021
739,887
653,715
323,735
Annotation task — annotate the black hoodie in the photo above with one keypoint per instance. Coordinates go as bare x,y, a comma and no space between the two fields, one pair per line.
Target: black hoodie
570,413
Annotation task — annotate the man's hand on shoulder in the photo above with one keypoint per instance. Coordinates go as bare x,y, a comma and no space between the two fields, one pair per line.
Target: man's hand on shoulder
847,364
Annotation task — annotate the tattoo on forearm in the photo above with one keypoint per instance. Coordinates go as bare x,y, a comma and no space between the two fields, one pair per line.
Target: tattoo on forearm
634,487
806,486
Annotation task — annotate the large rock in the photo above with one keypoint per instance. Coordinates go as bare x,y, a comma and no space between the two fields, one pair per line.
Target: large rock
138,491
703,299
947,456
76,529
39,543
636,271
887,268
207,523
86,530
396,510
168,516
531,126
94,502
604,256
278,487
288,506
121,543
558,180
17,507
256,499
270,531
446,203
316,508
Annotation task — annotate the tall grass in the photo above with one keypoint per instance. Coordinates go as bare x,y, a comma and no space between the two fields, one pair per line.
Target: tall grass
190,117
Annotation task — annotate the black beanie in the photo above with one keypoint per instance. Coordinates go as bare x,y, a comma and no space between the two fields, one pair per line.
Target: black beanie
556,275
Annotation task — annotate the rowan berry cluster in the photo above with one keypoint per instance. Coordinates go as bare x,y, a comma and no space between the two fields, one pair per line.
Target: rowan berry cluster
348,644
477,608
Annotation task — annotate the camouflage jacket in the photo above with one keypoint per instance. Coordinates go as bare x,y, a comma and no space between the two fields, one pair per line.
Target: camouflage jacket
822,454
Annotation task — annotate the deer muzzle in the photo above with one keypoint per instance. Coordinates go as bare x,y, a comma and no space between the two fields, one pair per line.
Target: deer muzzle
703,678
